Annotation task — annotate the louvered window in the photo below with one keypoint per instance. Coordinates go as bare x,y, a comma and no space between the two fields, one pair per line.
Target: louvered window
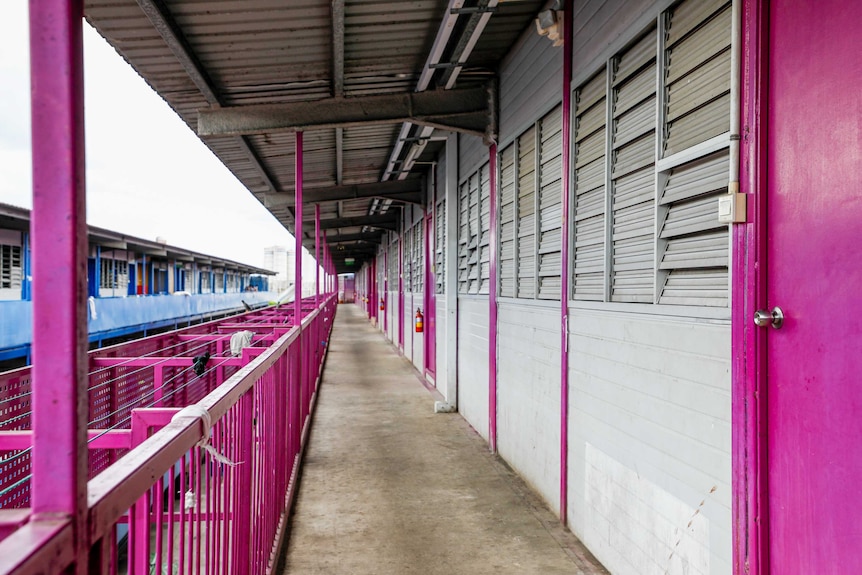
114,274
474,235
463,237
693,244
473,238
589,190
392,269
484,229
550,205
526,261
11,270
407,253
381,264
633,173
418,258
693,248
507,222
661,241
440,248
697,74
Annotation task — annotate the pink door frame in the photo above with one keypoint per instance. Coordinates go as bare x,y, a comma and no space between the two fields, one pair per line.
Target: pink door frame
401,292
748,291
430,297
385,291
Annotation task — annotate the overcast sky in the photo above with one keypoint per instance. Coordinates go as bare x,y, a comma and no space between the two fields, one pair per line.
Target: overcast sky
148,175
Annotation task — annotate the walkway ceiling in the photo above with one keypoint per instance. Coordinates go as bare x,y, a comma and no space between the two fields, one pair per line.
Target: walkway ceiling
373,84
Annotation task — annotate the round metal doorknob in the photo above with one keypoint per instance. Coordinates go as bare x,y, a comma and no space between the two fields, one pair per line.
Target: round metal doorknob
775,318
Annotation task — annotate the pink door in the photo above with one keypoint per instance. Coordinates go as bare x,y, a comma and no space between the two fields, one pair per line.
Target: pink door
430,331
814,274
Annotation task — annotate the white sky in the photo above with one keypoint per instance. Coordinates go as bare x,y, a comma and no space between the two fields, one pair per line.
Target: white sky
148,175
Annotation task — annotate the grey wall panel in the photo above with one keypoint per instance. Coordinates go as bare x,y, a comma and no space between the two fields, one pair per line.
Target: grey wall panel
472,153
528,395
599,26
441,378
531,82
418,346
473,362
649,441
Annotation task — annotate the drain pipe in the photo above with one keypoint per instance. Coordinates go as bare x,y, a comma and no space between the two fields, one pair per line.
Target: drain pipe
564,292
492,300
317,255
293,393
733,186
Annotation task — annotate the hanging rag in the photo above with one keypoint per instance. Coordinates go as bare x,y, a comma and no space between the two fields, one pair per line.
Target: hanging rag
240,340
200,363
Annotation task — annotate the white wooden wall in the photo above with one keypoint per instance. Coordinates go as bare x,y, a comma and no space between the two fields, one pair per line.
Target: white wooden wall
441,377
649,439
473,362
417,346
528,394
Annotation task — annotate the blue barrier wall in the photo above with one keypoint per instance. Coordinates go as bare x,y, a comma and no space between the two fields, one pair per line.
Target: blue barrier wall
117,316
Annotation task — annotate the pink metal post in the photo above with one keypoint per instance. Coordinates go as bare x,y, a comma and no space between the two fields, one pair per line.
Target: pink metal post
294,399
59,459
564,290
492,302
317,255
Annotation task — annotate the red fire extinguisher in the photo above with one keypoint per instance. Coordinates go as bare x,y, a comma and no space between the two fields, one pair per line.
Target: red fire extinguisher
381,304
419,323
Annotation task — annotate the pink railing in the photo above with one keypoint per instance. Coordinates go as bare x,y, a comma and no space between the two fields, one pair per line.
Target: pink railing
201,489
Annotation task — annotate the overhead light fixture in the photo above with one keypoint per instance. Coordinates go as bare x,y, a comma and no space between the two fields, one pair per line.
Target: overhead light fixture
550,23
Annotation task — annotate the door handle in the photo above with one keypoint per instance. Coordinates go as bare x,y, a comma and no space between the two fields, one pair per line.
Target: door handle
775,318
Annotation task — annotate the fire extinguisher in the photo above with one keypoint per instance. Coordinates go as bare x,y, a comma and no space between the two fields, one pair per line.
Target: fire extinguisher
381,304
419,323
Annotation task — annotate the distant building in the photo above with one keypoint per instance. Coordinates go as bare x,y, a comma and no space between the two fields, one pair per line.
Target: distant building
282,261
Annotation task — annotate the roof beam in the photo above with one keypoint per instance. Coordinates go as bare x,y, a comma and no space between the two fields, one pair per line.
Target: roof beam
464,110
338,48
405,190
374,237
387,221
162,20
336,240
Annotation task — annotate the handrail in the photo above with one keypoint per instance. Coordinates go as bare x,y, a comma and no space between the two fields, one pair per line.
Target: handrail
133,487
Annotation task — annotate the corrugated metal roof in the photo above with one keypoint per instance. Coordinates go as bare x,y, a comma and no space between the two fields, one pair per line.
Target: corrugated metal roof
272,51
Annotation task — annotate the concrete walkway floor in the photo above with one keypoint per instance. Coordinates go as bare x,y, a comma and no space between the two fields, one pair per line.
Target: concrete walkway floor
389,487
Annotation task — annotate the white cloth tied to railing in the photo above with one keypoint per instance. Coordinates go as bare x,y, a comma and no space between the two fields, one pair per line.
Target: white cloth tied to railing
197,412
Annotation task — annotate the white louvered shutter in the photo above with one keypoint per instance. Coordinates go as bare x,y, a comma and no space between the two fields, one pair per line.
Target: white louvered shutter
589,185
11,269
393,266
693,246
418,257
407,259
633,173
550,205
697,79
484,229
473,245
507,222
440,248
381,263
463,237
527,214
